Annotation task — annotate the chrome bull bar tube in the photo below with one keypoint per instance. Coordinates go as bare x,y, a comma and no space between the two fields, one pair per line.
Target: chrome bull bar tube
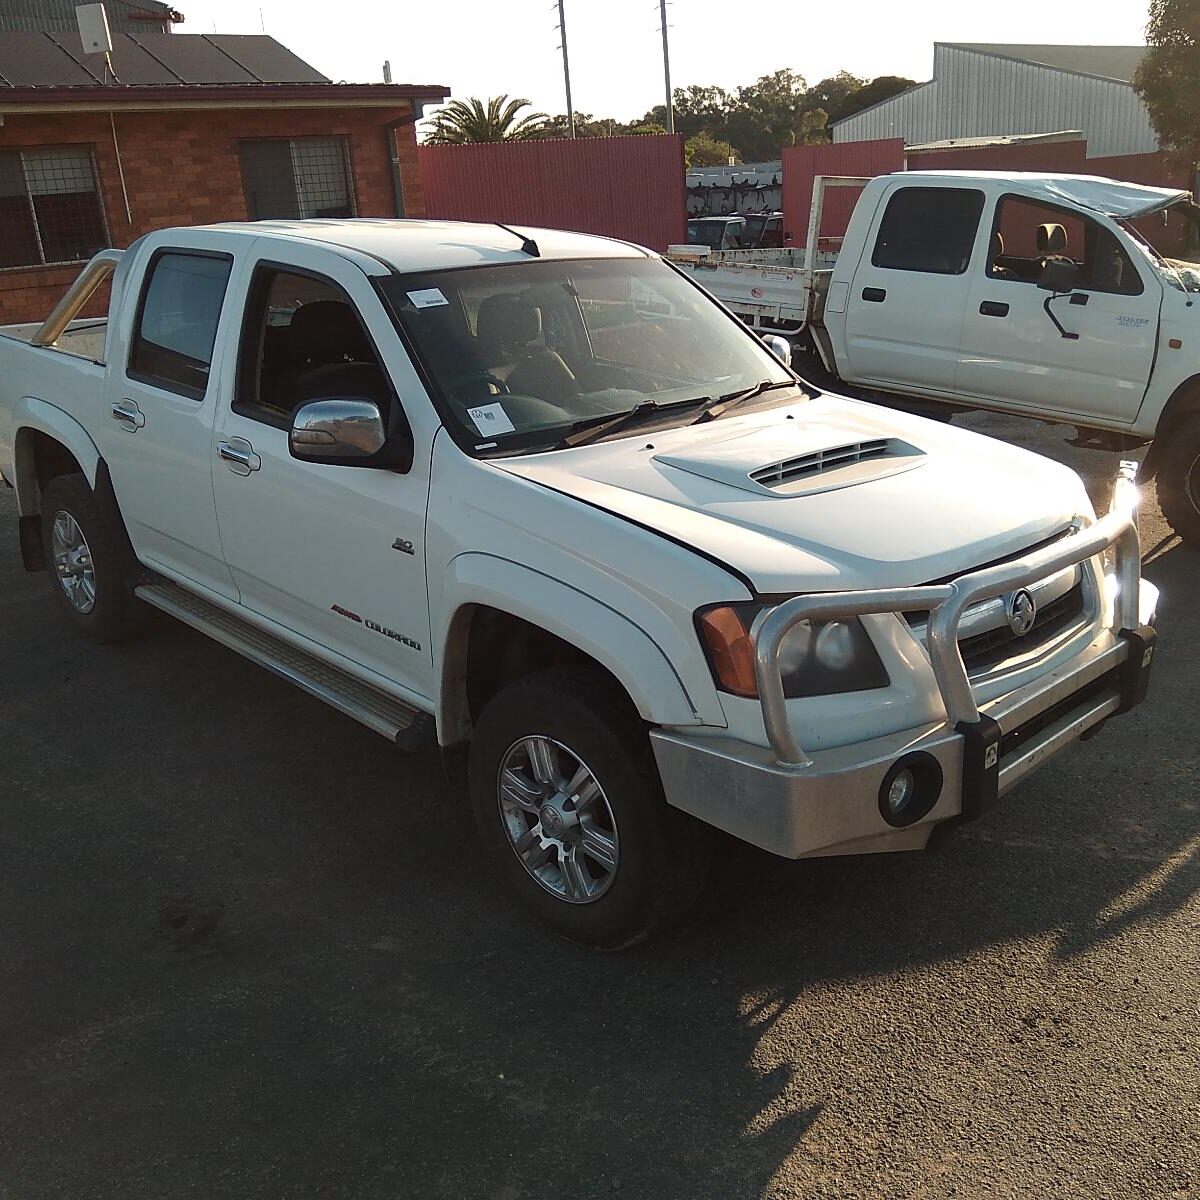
946,604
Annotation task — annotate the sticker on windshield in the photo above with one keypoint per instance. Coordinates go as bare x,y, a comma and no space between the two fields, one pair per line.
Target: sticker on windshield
491,419
427,298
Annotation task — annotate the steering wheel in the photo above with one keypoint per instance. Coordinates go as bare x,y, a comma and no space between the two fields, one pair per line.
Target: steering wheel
485,377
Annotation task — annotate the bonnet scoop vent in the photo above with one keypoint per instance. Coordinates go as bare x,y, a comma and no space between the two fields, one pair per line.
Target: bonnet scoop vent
791,470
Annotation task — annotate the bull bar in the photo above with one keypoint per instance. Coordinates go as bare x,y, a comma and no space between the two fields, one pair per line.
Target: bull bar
946,604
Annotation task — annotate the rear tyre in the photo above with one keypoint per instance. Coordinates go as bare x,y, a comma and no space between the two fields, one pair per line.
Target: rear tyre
570,811
1179,480
84,563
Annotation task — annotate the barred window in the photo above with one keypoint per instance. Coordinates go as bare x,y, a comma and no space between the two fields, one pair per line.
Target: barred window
50,210
296,178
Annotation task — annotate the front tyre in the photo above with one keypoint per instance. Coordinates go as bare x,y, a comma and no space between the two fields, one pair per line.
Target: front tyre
570,811
1179,480
84,563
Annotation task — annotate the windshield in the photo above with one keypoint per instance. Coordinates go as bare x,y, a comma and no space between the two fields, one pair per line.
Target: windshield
1170,240
522,353
707,233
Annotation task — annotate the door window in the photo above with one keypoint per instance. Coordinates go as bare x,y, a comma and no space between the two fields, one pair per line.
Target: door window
1027,234
304,340
177,321
928,229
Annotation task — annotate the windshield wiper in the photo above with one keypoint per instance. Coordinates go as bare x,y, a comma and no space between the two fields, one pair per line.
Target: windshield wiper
722,404
594,428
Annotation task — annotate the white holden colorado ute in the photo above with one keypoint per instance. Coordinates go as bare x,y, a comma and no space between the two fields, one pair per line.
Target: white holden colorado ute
537,498
1040,295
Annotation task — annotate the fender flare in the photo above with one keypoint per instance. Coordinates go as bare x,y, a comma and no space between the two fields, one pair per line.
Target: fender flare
32,415
609,637
1184,401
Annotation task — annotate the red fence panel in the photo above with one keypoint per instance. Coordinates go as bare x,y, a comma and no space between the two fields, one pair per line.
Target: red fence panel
631,188
801,164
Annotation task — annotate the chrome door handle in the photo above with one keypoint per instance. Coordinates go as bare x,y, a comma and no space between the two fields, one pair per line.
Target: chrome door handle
240,456
128,415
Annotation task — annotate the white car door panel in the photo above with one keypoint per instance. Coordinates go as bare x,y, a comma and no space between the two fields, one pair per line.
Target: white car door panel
161,397
333,553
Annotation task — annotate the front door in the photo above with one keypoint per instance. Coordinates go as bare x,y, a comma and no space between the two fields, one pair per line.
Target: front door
332,553
1012,350
904,312
157,426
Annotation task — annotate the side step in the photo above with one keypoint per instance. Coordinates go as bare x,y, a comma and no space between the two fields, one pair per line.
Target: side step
409,727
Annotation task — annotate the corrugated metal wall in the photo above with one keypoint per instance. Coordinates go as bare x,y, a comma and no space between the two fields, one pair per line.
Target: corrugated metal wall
980,95
630,188
58,16
801,164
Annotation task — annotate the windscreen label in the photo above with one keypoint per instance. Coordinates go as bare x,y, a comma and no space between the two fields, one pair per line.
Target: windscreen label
491,420
427,298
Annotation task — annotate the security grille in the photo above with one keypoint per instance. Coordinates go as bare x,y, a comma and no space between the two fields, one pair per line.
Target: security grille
50,209
297,178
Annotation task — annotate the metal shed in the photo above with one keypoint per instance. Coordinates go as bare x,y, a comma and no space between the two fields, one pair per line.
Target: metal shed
982,90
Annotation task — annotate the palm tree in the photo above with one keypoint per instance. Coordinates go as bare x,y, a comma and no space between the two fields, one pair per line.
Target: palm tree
496,121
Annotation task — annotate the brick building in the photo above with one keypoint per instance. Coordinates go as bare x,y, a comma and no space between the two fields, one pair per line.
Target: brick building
182,129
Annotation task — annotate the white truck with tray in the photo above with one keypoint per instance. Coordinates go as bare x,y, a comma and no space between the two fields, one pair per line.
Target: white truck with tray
1037,295
537,499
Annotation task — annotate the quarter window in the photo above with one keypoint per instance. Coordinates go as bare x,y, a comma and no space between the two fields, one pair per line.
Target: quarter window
928,229
50,209
177,321
296,178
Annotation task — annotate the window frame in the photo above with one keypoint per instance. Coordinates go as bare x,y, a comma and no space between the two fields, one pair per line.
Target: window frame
135,336
249,362
1063,211
343,141
926,188
101,209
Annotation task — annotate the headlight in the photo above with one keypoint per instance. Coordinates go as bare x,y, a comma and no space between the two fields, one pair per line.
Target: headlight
816,658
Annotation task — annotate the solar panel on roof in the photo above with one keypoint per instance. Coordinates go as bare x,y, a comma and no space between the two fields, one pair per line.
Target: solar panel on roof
194,58
35,60
266,59
130,62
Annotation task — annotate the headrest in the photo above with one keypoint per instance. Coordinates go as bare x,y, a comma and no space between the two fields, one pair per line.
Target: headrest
327,331
997,244
506,319
1051,239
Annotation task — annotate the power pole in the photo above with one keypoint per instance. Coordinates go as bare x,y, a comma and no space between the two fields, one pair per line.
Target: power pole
662,12
562,28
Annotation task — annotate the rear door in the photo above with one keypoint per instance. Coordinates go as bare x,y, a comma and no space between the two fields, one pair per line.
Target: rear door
1012,351
904,312
162,391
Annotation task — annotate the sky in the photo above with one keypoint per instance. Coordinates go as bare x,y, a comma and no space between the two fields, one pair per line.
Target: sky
486,47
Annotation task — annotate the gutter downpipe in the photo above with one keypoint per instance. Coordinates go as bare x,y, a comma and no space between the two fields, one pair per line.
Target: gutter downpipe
393,149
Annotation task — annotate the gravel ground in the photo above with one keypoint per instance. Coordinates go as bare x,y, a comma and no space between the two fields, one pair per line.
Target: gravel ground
245,951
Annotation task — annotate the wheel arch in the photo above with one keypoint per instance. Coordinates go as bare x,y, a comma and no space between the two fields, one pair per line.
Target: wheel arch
507,617
1183,403
48,442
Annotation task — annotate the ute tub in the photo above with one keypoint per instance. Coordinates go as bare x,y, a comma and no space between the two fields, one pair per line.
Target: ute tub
837,801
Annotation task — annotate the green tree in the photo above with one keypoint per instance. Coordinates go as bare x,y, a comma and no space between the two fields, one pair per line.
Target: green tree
882,87
1168,78
474,120
832,93
703,150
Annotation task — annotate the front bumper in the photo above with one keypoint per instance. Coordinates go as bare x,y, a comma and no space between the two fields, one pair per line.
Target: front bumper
832,802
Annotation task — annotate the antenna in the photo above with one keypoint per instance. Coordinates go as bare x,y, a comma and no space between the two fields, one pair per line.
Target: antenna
95,35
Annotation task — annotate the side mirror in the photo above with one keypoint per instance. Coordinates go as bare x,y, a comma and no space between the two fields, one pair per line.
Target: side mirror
1059,275
779,346
346,431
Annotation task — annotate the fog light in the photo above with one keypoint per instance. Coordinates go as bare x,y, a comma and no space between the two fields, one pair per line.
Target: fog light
901,792
910,789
